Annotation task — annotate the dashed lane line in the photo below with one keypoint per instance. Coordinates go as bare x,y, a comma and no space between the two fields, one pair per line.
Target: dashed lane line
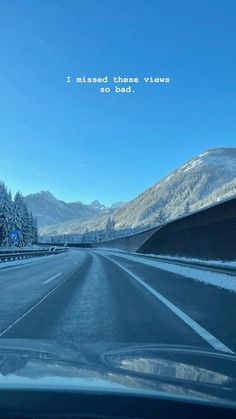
36,304
52,278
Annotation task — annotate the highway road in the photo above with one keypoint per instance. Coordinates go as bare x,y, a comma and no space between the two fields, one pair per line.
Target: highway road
93,295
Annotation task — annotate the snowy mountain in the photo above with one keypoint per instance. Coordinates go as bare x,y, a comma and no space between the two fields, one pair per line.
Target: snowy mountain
49,210
97,205
117,204
201,181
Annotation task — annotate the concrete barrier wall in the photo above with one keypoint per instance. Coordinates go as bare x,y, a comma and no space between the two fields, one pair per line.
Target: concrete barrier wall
129,243
206,234
209,233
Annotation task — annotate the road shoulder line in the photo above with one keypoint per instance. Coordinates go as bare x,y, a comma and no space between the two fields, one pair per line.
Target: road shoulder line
207,336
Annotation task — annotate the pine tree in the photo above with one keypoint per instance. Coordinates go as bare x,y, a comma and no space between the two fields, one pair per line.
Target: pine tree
85,237
35,231
21,220
17,216
110,226
101,235
5,214
11,210
160,218
31,226
93,236
187,208
26,229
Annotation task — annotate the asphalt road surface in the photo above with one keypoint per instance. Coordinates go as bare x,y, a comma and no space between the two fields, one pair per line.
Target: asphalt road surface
89,295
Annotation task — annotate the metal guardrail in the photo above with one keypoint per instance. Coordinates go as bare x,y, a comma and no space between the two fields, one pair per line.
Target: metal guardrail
208,266
230,270
25,254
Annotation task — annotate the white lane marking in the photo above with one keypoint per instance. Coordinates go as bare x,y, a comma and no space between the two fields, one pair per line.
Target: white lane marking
207,336
36,304
52,278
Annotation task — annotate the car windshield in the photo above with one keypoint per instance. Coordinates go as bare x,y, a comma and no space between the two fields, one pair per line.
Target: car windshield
117,193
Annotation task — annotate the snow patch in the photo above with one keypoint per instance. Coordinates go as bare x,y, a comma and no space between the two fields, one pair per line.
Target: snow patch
219,280
220,263
192,165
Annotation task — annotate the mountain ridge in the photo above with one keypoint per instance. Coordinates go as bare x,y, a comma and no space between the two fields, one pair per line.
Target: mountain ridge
50,211
201,181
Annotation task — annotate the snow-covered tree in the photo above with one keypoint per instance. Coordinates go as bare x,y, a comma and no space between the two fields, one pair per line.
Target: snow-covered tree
24,222
85,237
26,227
5,214
160,218
18,216
33,228
14,215
187,208
110,226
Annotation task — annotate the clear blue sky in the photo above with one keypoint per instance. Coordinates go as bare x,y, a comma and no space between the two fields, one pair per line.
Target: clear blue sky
81,144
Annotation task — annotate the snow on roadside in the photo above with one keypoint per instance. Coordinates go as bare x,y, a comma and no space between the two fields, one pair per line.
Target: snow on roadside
225,281
220,263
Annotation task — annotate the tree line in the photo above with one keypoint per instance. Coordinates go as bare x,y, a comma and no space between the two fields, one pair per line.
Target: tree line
110,232
18,226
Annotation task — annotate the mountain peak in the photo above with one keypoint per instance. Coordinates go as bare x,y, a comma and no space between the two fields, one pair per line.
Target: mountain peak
50,210
97,204
47,195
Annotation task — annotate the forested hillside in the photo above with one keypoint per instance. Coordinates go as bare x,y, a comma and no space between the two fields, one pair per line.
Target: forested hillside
201,181
16,220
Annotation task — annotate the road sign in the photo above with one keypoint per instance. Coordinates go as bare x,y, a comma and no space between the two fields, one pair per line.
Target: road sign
13,236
